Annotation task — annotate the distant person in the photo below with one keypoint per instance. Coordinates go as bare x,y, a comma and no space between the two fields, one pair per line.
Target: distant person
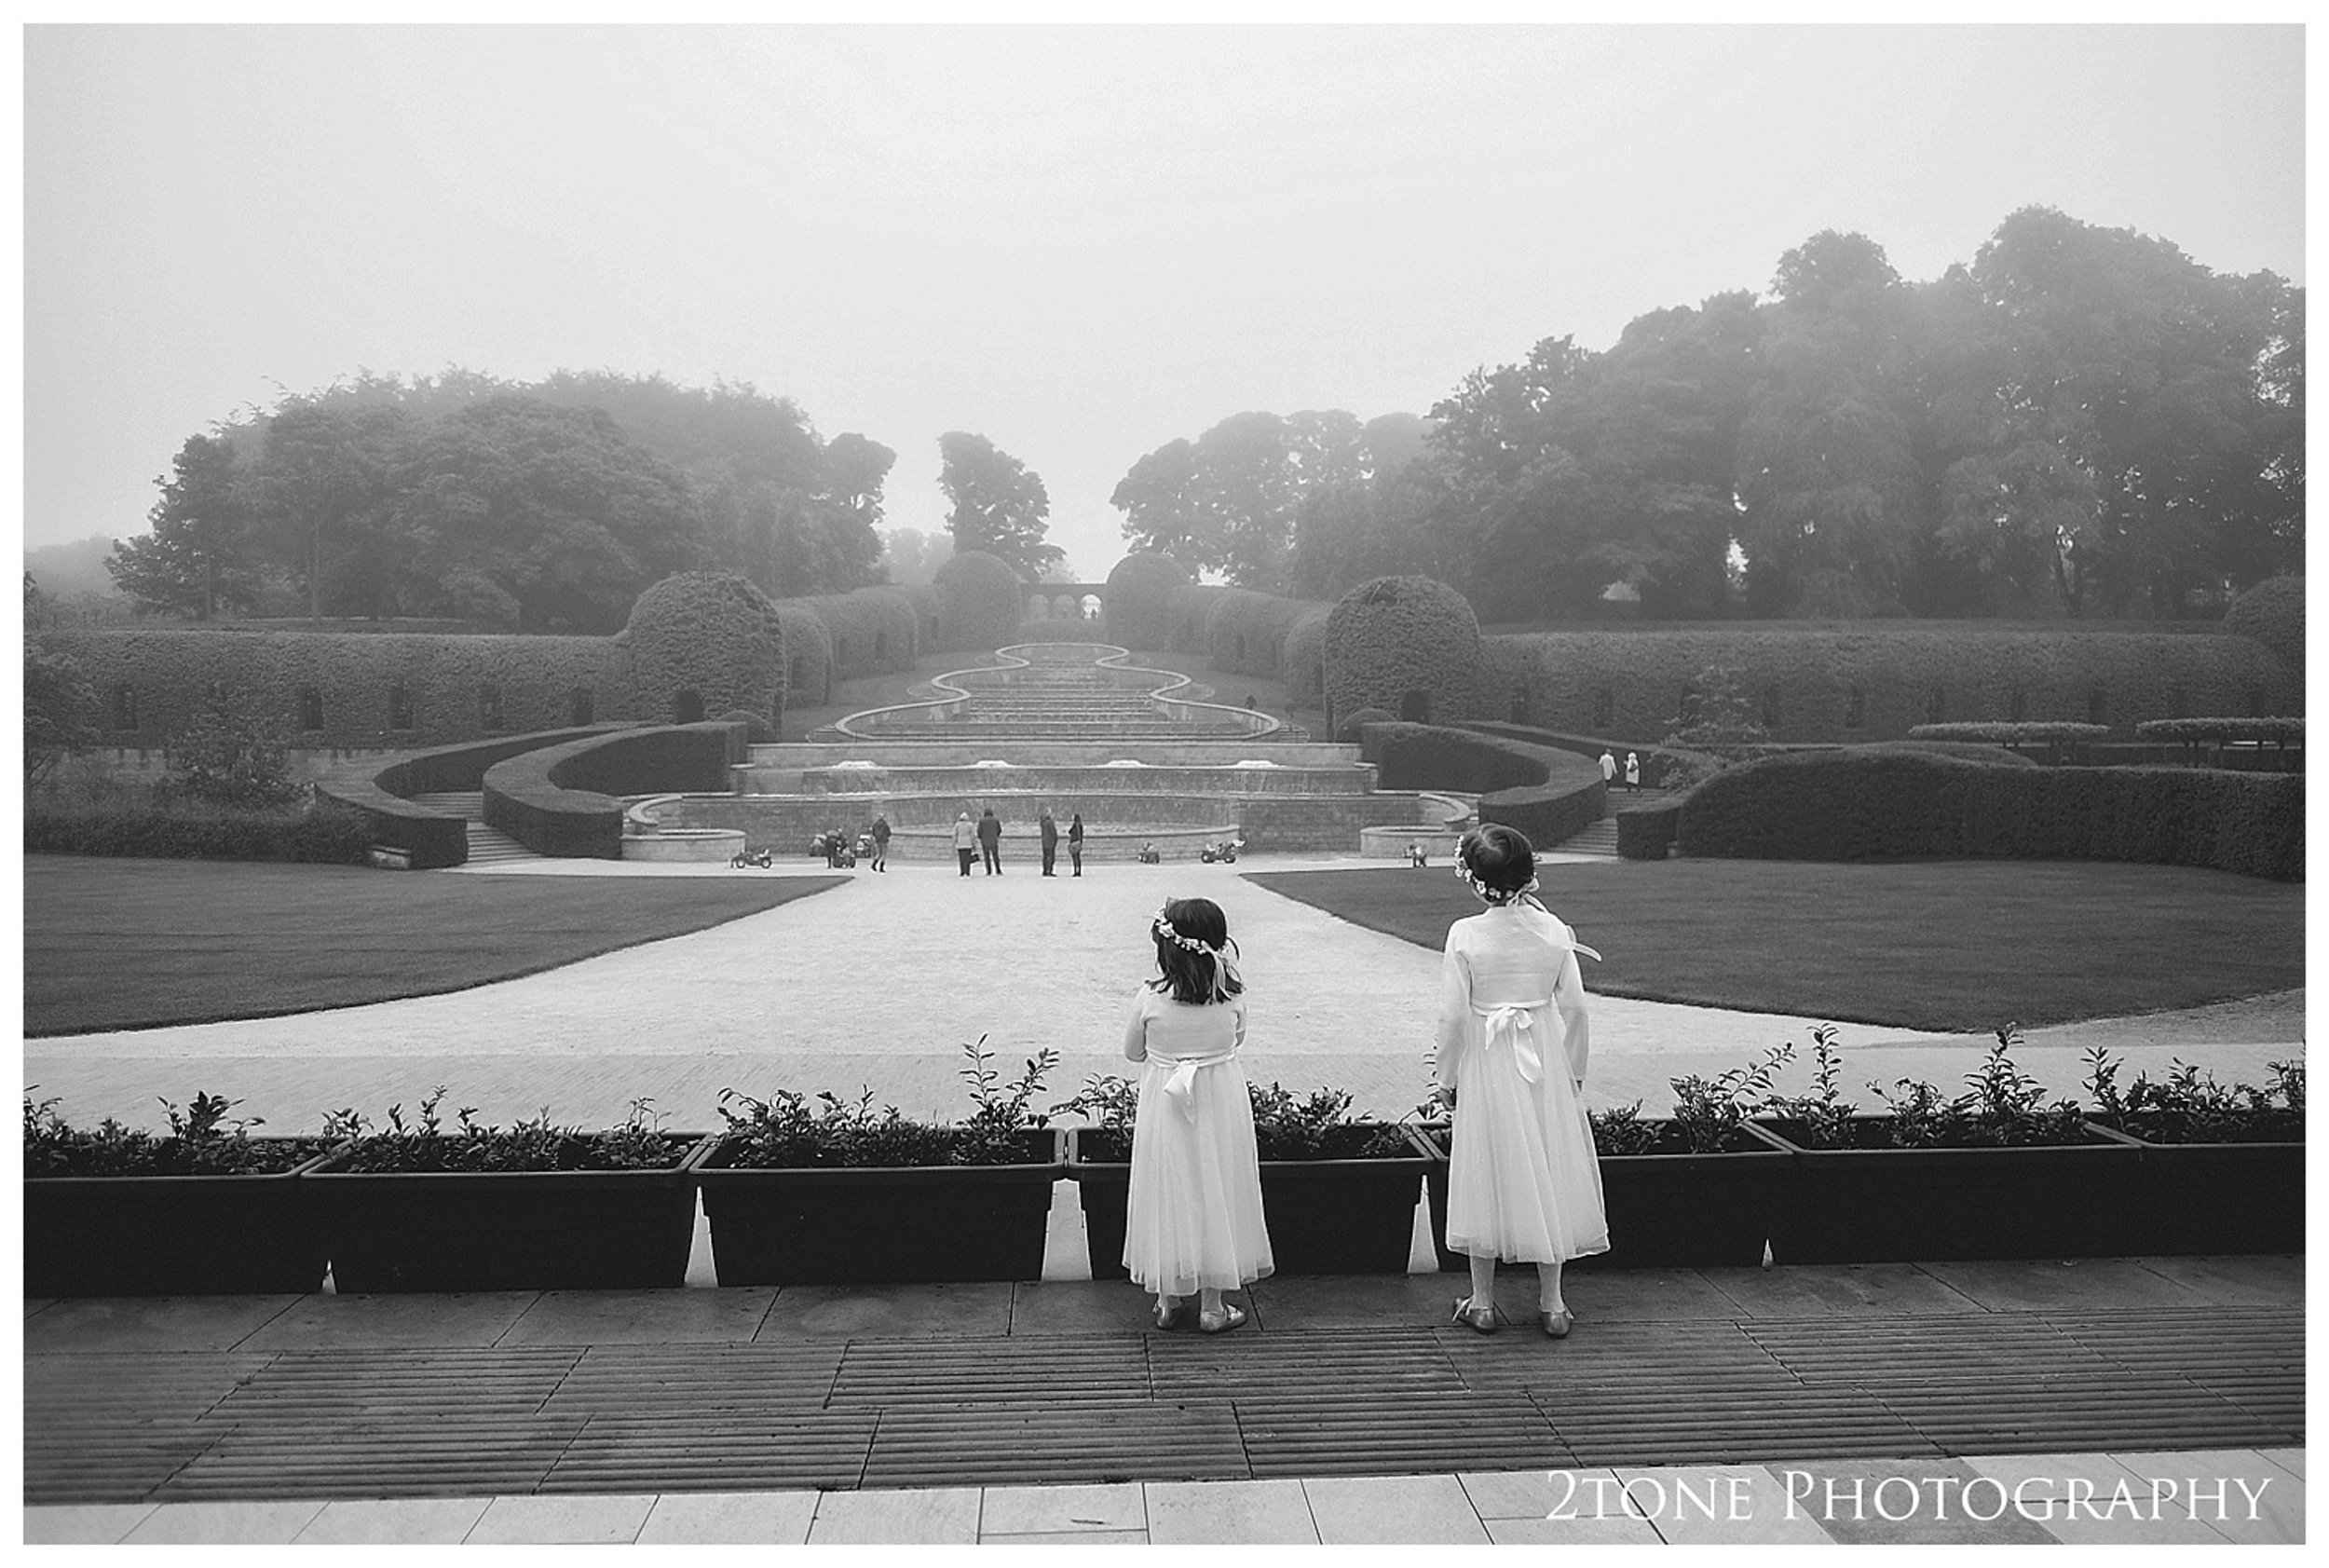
965,841
1193,1224
1050,832
1633,771
990,841
1075,842
1414,851
880,842
833,842
1609,769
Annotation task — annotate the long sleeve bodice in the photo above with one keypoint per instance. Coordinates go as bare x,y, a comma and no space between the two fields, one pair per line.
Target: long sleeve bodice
1511,957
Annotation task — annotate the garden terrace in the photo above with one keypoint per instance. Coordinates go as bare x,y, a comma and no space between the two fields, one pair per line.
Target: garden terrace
1058,692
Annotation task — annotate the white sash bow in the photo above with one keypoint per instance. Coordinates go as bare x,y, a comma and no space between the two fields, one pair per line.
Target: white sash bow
1180,1086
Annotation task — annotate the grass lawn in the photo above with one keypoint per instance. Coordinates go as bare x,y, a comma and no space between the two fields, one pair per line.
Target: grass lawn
136,944
1935,945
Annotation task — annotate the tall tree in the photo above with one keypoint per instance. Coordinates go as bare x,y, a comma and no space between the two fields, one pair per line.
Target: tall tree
324,488
201,555
999,505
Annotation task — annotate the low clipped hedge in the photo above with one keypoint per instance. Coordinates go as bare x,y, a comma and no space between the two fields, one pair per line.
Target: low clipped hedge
1875,681
1136,607
1548,794
2223,731
564,801
192,830
379,795
1647,832
2007,734
1889,805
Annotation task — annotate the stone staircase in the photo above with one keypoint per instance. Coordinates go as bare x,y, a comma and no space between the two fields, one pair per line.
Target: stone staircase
487,846
1601,838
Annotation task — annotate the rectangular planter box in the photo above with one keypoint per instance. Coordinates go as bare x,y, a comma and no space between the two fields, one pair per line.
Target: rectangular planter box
171,1235
835,1225
2220,1198
1325,1216
1665,1210
553,1230
1918,1205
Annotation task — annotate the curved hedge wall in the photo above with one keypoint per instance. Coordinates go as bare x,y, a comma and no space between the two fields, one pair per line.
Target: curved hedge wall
923,599
808,655
873,630
2273,613
1882,805
1245,632
714,633
1875,682
1548,793
379,794
980,599
1136,608
1302,658
1399,635
1191,609
565,800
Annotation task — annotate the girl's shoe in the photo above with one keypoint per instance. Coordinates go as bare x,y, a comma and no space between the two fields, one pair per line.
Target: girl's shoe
1169,1315
1556,1324
1220,1322
1479,1320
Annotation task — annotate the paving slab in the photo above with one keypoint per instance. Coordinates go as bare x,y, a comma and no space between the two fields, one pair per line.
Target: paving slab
606,1518
773,1519
1900,1502
395,1521
1089,1306
1245,1512
643,1317
971,1309
1406,1301
2064,1285
1809,1289
1024,1510
2075,1498
2237,1493
1615,1295
130,1323
393,1321
1578,1532
2264,1280
2289,1459
214,1523
71,1524
1554,1507
1394,1510
1719,1505
933,1516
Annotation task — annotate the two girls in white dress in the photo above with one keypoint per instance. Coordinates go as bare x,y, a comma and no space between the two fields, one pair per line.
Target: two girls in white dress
1523,1181
1193,1222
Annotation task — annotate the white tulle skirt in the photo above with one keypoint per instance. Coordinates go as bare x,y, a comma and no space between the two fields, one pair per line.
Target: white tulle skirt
1194,1219
1523,1181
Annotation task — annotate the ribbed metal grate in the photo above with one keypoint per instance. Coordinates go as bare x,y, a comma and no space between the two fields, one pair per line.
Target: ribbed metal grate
128,1428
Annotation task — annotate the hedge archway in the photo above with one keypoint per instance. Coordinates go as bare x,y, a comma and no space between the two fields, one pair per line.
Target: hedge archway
1395,637
714,634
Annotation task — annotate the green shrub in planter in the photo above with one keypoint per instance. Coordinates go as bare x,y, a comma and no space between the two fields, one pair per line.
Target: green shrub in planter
1336,1191
205,1210
2222,1169
532,1206
803,1190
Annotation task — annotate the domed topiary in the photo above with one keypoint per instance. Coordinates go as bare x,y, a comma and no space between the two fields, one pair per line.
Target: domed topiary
979,602
1136,606
2273,613
704,643
1407,644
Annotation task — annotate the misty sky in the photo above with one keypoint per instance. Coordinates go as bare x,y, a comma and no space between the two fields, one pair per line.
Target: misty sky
1078,243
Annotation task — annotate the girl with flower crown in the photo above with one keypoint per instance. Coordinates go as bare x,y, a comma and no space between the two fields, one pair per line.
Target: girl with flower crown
1523,1182
1192,1223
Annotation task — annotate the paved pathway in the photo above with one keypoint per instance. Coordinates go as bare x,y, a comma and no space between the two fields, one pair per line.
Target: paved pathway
880,982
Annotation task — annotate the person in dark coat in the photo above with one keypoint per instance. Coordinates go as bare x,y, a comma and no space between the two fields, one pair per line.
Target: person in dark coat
1075,842
990,841
880,842
1050,831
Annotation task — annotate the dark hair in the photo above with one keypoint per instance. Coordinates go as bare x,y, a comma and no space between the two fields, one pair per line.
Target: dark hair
1500,856
1187,976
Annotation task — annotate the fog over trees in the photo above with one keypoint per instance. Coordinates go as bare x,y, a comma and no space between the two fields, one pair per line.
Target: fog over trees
2081,421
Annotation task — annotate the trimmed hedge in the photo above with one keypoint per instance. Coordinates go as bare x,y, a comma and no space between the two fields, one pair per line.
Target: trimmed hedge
980,600
1245,632
1192,612
1656,760
923,599
2012,734
808,654
191,831
714,633
379,794
1136,606
1875,681
2273,613
1304,658
564,801
1350,732
1881,805
1968,751
873,630
1397,636
168,676
1548,793
1647,832
2263,732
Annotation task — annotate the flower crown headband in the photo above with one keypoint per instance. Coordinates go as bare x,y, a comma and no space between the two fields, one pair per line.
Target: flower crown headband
1495,895
1168,932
